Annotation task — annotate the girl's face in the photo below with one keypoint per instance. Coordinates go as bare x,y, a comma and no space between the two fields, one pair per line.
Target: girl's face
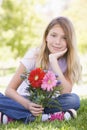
56,39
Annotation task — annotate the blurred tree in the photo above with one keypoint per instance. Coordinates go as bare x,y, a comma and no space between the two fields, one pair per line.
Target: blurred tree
78,13
20,26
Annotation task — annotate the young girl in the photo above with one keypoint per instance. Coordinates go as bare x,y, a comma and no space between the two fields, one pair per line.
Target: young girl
57,53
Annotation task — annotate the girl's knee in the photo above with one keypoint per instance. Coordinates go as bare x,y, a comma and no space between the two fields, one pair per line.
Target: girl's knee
70,100
75,100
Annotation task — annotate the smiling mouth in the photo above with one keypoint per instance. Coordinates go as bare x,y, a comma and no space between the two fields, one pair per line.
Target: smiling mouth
56,48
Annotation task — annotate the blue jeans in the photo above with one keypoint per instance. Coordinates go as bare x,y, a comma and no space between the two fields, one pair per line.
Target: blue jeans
16,111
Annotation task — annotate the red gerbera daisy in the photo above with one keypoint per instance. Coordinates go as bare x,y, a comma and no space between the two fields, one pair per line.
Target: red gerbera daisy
35,77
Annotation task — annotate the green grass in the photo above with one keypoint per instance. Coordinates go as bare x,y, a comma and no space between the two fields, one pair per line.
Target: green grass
80,123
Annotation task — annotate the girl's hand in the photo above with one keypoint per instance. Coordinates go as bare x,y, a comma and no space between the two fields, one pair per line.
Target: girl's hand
35,109
57,55
53,60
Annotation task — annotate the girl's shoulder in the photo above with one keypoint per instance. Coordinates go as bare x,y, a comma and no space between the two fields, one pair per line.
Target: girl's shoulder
29,59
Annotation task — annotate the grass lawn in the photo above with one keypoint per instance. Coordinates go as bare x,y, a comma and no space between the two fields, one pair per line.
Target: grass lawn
80,123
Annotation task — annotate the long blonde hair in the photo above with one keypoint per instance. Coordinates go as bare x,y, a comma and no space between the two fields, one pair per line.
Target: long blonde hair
73,64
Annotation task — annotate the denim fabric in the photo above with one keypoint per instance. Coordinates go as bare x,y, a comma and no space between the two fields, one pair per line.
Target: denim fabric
66,101
16,111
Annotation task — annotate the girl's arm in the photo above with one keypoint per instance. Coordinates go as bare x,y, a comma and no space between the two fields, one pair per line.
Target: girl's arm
12,93
65,82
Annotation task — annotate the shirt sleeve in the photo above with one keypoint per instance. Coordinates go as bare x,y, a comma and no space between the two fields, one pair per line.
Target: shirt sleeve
29,59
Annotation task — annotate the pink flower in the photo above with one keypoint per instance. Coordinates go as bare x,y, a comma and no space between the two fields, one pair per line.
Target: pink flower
49,81
57,116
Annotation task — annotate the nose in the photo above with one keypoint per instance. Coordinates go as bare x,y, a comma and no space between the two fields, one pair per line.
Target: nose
58,40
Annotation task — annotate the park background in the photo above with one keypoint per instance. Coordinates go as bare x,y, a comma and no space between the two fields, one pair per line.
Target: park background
22,23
